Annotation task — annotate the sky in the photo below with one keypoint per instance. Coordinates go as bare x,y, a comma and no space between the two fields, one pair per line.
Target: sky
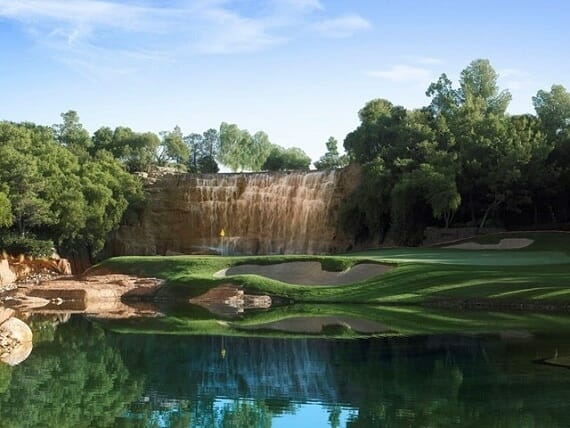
297,69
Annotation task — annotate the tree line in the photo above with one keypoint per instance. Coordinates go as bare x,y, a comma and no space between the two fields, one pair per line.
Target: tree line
460,160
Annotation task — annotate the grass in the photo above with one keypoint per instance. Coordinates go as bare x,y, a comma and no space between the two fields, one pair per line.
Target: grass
397,320
538,273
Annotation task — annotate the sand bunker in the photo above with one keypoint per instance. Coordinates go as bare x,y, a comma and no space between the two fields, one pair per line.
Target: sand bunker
504,244
310,325
308,273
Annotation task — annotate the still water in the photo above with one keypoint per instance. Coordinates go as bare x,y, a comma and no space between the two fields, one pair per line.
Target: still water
81,374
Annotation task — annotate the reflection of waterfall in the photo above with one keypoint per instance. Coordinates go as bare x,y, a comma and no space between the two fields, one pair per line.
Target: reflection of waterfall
270,368
261,213
301,370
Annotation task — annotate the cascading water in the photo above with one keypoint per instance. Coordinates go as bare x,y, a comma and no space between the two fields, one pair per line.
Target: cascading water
259,213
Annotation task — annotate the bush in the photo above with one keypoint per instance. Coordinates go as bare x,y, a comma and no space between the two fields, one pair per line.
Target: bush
16,244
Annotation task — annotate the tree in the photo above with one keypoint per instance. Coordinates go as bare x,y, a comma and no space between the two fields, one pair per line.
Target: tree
208,165
290,159
210,143
6,218
173,148
379,133
72,135
203,151
331,159
479,88
20,174
194,143
258,150
103,140
241,151
108,190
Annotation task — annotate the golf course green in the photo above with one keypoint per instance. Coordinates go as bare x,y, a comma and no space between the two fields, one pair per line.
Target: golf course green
538,273
421,291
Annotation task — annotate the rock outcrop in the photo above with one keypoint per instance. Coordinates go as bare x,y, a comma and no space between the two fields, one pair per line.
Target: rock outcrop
98,295
26,268
259,213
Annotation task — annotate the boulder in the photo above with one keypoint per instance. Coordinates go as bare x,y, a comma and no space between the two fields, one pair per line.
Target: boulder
15,341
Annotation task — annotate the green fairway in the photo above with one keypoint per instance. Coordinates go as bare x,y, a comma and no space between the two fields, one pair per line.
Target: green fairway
538,273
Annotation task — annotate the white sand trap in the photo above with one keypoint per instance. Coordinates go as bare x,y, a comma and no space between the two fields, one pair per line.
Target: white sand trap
308,273
504,244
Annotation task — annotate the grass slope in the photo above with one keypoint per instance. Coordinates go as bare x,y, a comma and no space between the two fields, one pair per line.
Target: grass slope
538,273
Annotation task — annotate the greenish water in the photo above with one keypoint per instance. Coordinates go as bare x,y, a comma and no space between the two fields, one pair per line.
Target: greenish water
80,374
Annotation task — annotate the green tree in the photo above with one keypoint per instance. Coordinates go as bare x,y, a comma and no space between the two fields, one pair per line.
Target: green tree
6,218
103,140
72,135
203,151
553,109
331,159
290,159
194,143
239,150
479,89
173,148
108,189
25,187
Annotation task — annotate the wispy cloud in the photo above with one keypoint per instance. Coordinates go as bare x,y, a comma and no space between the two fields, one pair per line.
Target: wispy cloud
78,30
428,60
343,26
403,74
515,79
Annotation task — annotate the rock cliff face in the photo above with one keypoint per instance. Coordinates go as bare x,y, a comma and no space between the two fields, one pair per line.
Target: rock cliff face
265,213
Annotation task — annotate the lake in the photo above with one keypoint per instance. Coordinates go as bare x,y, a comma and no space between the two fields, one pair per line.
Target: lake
80,373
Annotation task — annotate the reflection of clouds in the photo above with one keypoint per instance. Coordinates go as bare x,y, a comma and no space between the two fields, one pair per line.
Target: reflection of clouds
15,340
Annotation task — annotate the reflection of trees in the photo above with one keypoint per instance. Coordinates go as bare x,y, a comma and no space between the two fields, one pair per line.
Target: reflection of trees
76,380
451,382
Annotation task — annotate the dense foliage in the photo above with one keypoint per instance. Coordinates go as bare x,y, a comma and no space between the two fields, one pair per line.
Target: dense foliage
461,159
56,187
241,151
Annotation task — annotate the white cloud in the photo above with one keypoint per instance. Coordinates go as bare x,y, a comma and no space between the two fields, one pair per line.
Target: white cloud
403,74
343,26
515,79
120,35
511,72
303,5
232,33
427,60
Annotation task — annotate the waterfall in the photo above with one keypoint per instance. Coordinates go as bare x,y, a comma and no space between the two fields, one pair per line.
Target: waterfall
260,213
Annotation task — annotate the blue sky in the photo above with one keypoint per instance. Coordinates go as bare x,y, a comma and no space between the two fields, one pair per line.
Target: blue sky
297,69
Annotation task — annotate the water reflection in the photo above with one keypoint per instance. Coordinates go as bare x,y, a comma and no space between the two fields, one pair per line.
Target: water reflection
83,375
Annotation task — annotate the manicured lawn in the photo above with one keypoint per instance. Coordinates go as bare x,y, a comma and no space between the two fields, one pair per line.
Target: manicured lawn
540,272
